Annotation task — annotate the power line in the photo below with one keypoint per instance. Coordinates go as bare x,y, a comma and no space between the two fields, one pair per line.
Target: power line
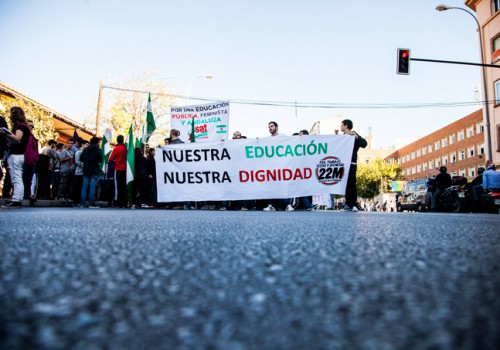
318,105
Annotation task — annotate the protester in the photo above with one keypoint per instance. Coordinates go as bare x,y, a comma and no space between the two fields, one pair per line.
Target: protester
277,204
351,193
140,185
29,170
119,158
151,173
44,169
19,136
91,158
66,157
78,181
57,171
174,137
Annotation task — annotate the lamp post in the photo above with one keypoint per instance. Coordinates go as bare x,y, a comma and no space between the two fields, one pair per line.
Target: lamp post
208,76
483,70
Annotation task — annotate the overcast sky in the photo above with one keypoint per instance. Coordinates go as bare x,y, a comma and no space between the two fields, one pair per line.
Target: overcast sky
312,51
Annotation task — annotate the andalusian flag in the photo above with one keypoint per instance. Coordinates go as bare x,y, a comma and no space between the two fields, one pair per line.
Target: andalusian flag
130,163
105,149
150,126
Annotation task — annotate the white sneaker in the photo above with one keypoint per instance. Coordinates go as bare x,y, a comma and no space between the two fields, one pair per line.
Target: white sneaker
289,208
355,209
269,208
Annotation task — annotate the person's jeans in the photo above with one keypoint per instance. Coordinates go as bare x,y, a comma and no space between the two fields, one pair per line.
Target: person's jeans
92,182
16,167
477,192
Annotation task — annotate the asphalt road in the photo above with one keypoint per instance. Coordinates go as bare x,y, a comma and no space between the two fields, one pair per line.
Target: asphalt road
157,279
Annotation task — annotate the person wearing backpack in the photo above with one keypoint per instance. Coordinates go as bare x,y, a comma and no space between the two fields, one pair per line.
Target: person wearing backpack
20,135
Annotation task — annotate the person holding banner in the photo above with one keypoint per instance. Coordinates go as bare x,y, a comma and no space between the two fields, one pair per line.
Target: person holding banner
351,193
278,203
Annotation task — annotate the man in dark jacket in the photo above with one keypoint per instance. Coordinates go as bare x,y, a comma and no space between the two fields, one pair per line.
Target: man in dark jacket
91,158
351,191
442,182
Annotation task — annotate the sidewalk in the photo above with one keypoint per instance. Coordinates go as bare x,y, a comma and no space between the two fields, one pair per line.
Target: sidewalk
45,203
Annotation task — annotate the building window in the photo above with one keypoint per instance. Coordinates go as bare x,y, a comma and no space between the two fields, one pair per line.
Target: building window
419,168
495,6
461,172
445,160
470,152
413,155
452,139
444,142
402,160
413,170
424,151
461,154
453,157
436,145
418,153
408,157
470,131
424,166
429,148
481,148
497,92
431,164
453,173
479,128
461,135
472,172
498,138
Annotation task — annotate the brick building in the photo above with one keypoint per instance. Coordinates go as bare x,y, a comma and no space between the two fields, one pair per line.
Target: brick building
460,146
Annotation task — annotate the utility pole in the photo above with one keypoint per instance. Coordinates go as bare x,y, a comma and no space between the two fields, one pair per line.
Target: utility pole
98,116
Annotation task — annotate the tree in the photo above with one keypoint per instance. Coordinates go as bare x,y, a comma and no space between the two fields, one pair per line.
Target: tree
125,102
375,177
44,127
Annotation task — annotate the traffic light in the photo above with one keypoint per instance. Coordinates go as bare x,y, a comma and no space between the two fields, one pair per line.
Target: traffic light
403,61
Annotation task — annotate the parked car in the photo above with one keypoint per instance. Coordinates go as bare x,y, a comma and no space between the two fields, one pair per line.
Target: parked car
413,196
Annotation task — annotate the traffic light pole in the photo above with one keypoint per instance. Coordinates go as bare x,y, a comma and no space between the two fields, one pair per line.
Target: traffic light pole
455,62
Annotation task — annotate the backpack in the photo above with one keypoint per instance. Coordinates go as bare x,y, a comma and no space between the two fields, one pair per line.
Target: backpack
31,153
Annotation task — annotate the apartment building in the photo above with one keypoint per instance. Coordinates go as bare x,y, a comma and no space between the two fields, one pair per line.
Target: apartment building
460,146
488,16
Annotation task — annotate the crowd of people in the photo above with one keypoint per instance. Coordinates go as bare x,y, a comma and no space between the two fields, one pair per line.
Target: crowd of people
73,172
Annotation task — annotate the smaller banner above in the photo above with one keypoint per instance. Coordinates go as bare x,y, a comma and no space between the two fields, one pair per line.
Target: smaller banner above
211,121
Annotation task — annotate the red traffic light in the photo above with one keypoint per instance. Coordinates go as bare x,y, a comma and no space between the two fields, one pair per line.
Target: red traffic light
403,66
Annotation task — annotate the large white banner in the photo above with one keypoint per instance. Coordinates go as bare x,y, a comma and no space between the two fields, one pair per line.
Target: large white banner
270,167
211,121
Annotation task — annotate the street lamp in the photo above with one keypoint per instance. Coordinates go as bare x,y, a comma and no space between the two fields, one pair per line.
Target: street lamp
486,102
208,76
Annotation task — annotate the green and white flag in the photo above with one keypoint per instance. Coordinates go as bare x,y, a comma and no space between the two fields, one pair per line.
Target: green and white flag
149,126
130,162
105,149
